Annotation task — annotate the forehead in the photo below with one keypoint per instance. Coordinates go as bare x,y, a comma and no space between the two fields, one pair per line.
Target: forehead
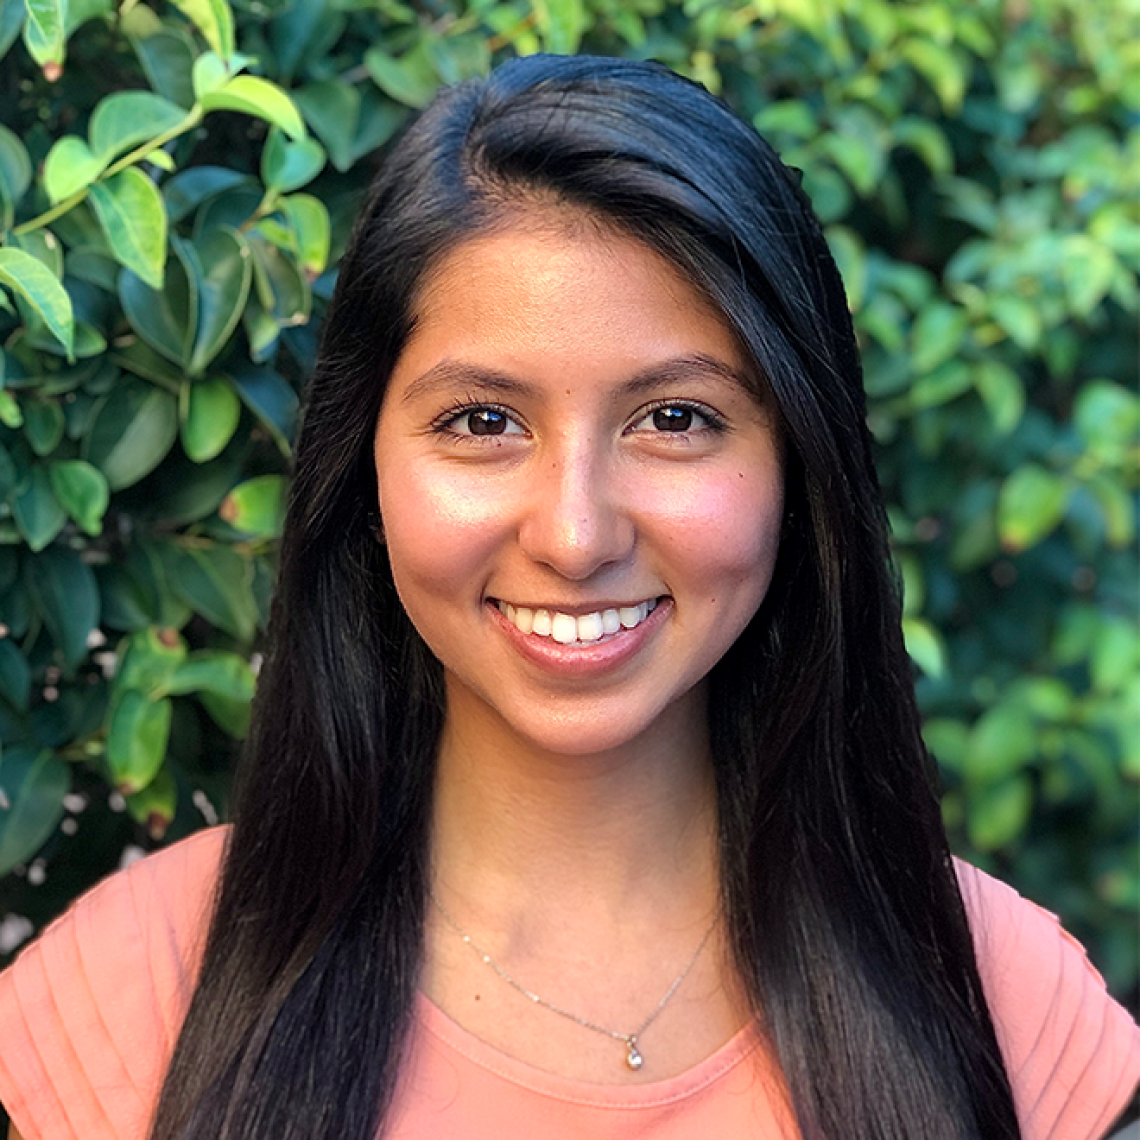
561,281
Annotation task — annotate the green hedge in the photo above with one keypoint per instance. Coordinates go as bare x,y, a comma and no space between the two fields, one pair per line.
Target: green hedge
176,183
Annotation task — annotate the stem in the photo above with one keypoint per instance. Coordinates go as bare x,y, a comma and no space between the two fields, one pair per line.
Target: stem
193,118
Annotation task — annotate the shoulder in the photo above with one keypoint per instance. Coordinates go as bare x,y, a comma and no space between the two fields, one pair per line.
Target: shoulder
89,1012
1072,1053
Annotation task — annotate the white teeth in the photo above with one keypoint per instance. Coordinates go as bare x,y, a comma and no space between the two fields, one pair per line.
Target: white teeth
630,616
589,627
567,629
564,628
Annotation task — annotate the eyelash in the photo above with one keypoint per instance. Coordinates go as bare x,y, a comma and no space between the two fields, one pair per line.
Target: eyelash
443,423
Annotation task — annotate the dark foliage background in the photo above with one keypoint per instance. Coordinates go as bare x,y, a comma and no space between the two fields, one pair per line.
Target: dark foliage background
176,183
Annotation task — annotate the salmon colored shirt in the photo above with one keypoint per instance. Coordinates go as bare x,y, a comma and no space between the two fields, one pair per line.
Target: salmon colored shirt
89,1014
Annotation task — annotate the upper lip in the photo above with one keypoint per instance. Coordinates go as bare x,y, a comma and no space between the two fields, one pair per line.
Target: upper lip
578,609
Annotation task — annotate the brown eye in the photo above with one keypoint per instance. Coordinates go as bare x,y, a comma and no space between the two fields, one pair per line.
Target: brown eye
487,421
673,419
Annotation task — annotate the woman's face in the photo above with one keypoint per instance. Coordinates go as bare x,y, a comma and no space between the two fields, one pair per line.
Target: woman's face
581,500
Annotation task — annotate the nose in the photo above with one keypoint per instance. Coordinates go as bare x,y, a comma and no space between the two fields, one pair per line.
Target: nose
577,519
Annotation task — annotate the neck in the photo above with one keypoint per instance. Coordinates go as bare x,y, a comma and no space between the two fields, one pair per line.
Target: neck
519,830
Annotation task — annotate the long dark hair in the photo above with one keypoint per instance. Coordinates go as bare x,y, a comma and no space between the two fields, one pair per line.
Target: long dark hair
844,914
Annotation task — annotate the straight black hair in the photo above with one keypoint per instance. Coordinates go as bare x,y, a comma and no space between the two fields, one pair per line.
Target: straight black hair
844,913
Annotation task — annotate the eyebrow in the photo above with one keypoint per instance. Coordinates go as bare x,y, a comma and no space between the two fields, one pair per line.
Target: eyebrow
451,374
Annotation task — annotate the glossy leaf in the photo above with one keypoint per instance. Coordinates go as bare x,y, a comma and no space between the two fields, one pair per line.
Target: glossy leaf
33,784
126,118
259,97
214,19
131,212
287,165
410,80
136,740
30,279
44,32
168,320
215,582
186,191
133,430
257,506
15,167
154,806
224,674
210,411
82,491
221,266
271,399
167,57
36,510
43,425
15,675
309,220
67,597
148,659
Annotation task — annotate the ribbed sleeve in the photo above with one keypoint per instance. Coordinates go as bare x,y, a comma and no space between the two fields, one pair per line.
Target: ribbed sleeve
1072,1053
90,1011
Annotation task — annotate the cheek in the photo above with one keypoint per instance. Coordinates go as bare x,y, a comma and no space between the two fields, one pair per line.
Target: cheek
438,531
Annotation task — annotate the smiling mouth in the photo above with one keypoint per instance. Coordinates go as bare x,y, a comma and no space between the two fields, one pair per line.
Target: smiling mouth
568,629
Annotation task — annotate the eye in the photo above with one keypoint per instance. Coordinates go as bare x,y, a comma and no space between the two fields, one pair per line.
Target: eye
475,420
677,418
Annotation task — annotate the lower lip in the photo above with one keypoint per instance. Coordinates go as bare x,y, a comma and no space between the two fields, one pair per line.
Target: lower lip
583,659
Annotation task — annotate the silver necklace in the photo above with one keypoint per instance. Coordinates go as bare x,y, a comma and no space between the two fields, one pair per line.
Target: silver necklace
633,1057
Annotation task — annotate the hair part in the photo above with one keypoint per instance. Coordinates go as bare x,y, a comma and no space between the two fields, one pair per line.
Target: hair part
856,955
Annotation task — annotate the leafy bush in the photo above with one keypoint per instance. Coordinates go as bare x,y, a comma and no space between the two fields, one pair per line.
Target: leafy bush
175,186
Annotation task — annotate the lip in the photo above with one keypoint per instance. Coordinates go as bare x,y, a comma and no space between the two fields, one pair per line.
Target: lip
582,660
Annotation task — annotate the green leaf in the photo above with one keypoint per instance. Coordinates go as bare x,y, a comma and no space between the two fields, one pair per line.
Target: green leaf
70,166
214,671
167,57
230,716
287,165
32,787
1019,318
1031,504
43,425
257,97
12,14
67,596
133,430
937,335
998,813
168,320
924,646
210,411
282,288
272,401
221,265
15,675
45,30
30,279
148,659
1003,394
214,19
15,169
945,383
928,141
127,118
215,582
133,217
82,491
38,514
136,740
209,73
154,806
332,109
561,23
257,506
1002,742
310,222
9,477
186,191
411,80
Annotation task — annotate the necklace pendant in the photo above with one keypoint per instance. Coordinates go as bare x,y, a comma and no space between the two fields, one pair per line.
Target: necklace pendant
633,1057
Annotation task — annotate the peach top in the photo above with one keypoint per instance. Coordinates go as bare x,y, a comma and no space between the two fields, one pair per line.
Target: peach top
90,1011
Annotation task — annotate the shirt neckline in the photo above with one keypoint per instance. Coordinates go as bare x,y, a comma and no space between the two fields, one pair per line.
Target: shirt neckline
654,1094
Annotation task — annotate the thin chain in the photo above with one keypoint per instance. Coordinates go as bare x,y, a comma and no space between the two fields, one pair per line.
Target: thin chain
633,1054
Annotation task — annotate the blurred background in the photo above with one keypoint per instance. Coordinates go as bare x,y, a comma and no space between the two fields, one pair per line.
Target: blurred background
176,185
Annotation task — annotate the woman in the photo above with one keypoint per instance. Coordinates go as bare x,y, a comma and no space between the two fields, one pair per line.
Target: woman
586,794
